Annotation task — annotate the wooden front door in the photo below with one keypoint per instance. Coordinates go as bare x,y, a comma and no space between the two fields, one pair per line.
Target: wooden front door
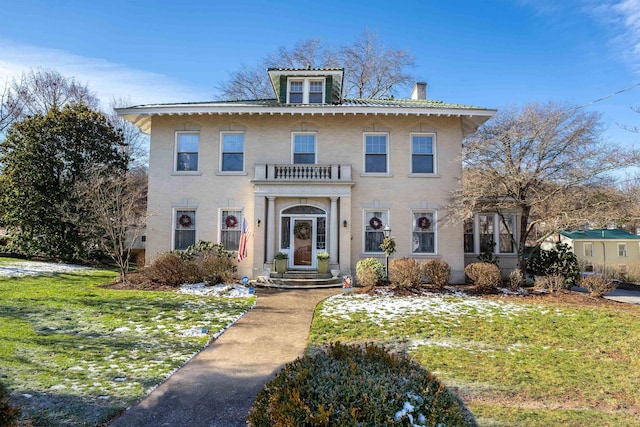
303,252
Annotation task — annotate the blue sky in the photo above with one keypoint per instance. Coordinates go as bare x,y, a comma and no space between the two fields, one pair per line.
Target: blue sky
494,54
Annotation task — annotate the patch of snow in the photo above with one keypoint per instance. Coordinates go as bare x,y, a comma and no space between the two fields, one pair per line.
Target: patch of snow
219,290
34,268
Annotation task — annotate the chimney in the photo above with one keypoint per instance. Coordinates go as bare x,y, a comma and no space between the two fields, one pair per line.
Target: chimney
419,91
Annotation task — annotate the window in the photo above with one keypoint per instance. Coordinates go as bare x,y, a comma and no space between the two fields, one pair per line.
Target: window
424,236
306,91
184,229
588,249
187,151
296,92
230,229
232,152
506,234
304,148
469,241
422,154
374,222
622,249
493,234
375,153
485,224
316,92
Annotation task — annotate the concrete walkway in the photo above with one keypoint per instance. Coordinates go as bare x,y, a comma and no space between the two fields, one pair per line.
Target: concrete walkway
218,387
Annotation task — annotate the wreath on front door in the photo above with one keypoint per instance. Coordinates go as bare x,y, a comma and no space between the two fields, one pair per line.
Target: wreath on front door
375,223
185,220
231,221
424,222
302,230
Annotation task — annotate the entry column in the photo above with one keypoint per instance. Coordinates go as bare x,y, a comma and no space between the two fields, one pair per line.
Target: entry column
271,227
333,230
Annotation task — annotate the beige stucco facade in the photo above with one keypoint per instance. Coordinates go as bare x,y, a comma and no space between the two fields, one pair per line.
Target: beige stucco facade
334,194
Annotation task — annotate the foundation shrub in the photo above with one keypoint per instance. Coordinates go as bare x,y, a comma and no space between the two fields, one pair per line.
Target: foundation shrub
597,285
167,269
515,279
8,413
405,272
218,268
437,272
553,282
349,385
369,272
484,275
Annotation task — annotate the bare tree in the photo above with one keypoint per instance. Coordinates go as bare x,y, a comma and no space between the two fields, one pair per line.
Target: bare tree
371,69
543,160
119,213
136,142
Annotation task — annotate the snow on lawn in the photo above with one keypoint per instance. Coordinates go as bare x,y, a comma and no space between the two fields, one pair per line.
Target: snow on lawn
33,268
379,309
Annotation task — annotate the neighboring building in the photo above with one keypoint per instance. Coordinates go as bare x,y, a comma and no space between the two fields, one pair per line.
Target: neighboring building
601,249
309,171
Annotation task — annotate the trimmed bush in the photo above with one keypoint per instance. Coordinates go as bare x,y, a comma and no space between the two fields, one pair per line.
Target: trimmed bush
8,414
167,269
348,385
553,282
484,275
218,269
597,285
437,272
369,272
405,272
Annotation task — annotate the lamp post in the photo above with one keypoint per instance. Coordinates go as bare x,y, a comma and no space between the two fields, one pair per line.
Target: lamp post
387,234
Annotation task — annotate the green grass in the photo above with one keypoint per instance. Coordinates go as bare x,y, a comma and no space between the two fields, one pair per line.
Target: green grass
513,363
75,354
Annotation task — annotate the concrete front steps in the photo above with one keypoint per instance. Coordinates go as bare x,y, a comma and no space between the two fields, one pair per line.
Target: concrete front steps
301,279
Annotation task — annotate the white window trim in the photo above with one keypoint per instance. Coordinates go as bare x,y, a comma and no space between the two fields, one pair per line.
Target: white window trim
244,154
175,153
434,154
239,225
364,228
364,154
315,145
584,247
174,220
306,87
626,253
496,232
435,231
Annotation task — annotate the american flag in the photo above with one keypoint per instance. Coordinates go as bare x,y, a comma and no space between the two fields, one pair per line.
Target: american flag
242,248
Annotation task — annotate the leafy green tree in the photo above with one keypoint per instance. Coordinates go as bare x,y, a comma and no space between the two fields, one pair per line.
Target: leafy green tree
43,159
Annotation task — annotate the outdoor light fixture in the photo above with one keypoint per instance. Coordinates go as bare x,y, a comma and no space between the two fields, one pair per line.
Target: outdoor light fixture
258,223
387,233
344,223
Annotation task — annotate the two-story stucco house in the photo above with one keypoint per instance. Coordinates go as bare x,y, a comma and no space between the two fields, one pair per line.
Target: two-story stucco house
309,172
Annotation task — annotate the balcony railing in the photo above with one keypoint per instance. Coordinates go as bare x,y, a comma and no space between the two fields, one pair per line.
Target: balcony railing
303,172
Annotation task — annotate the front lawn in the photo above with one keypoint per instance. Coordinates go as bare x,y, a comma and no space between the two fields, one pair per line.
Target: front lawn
514,361
72,353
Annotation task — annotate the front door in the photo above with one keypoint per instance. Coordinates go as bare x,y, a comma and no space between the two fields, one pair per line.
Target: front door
303,253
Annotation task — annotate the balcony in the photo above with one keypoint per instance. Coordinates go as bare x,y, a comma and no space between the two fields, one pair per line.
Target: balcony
303,172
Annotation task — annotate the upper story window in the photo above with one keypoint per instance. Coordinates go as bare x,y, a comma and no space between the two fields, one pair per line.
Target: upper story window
423,153
304,148
232,156
376,153
306,91
187,151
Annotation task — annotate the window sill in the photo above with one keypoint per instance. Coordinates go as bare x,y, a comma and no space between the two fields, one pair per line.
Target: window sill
425,254
186,173
423,175
231,173
376,175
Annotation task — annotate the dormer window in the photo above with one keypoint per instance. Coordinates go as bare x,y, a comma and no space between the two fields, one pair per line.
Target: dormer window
306,91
